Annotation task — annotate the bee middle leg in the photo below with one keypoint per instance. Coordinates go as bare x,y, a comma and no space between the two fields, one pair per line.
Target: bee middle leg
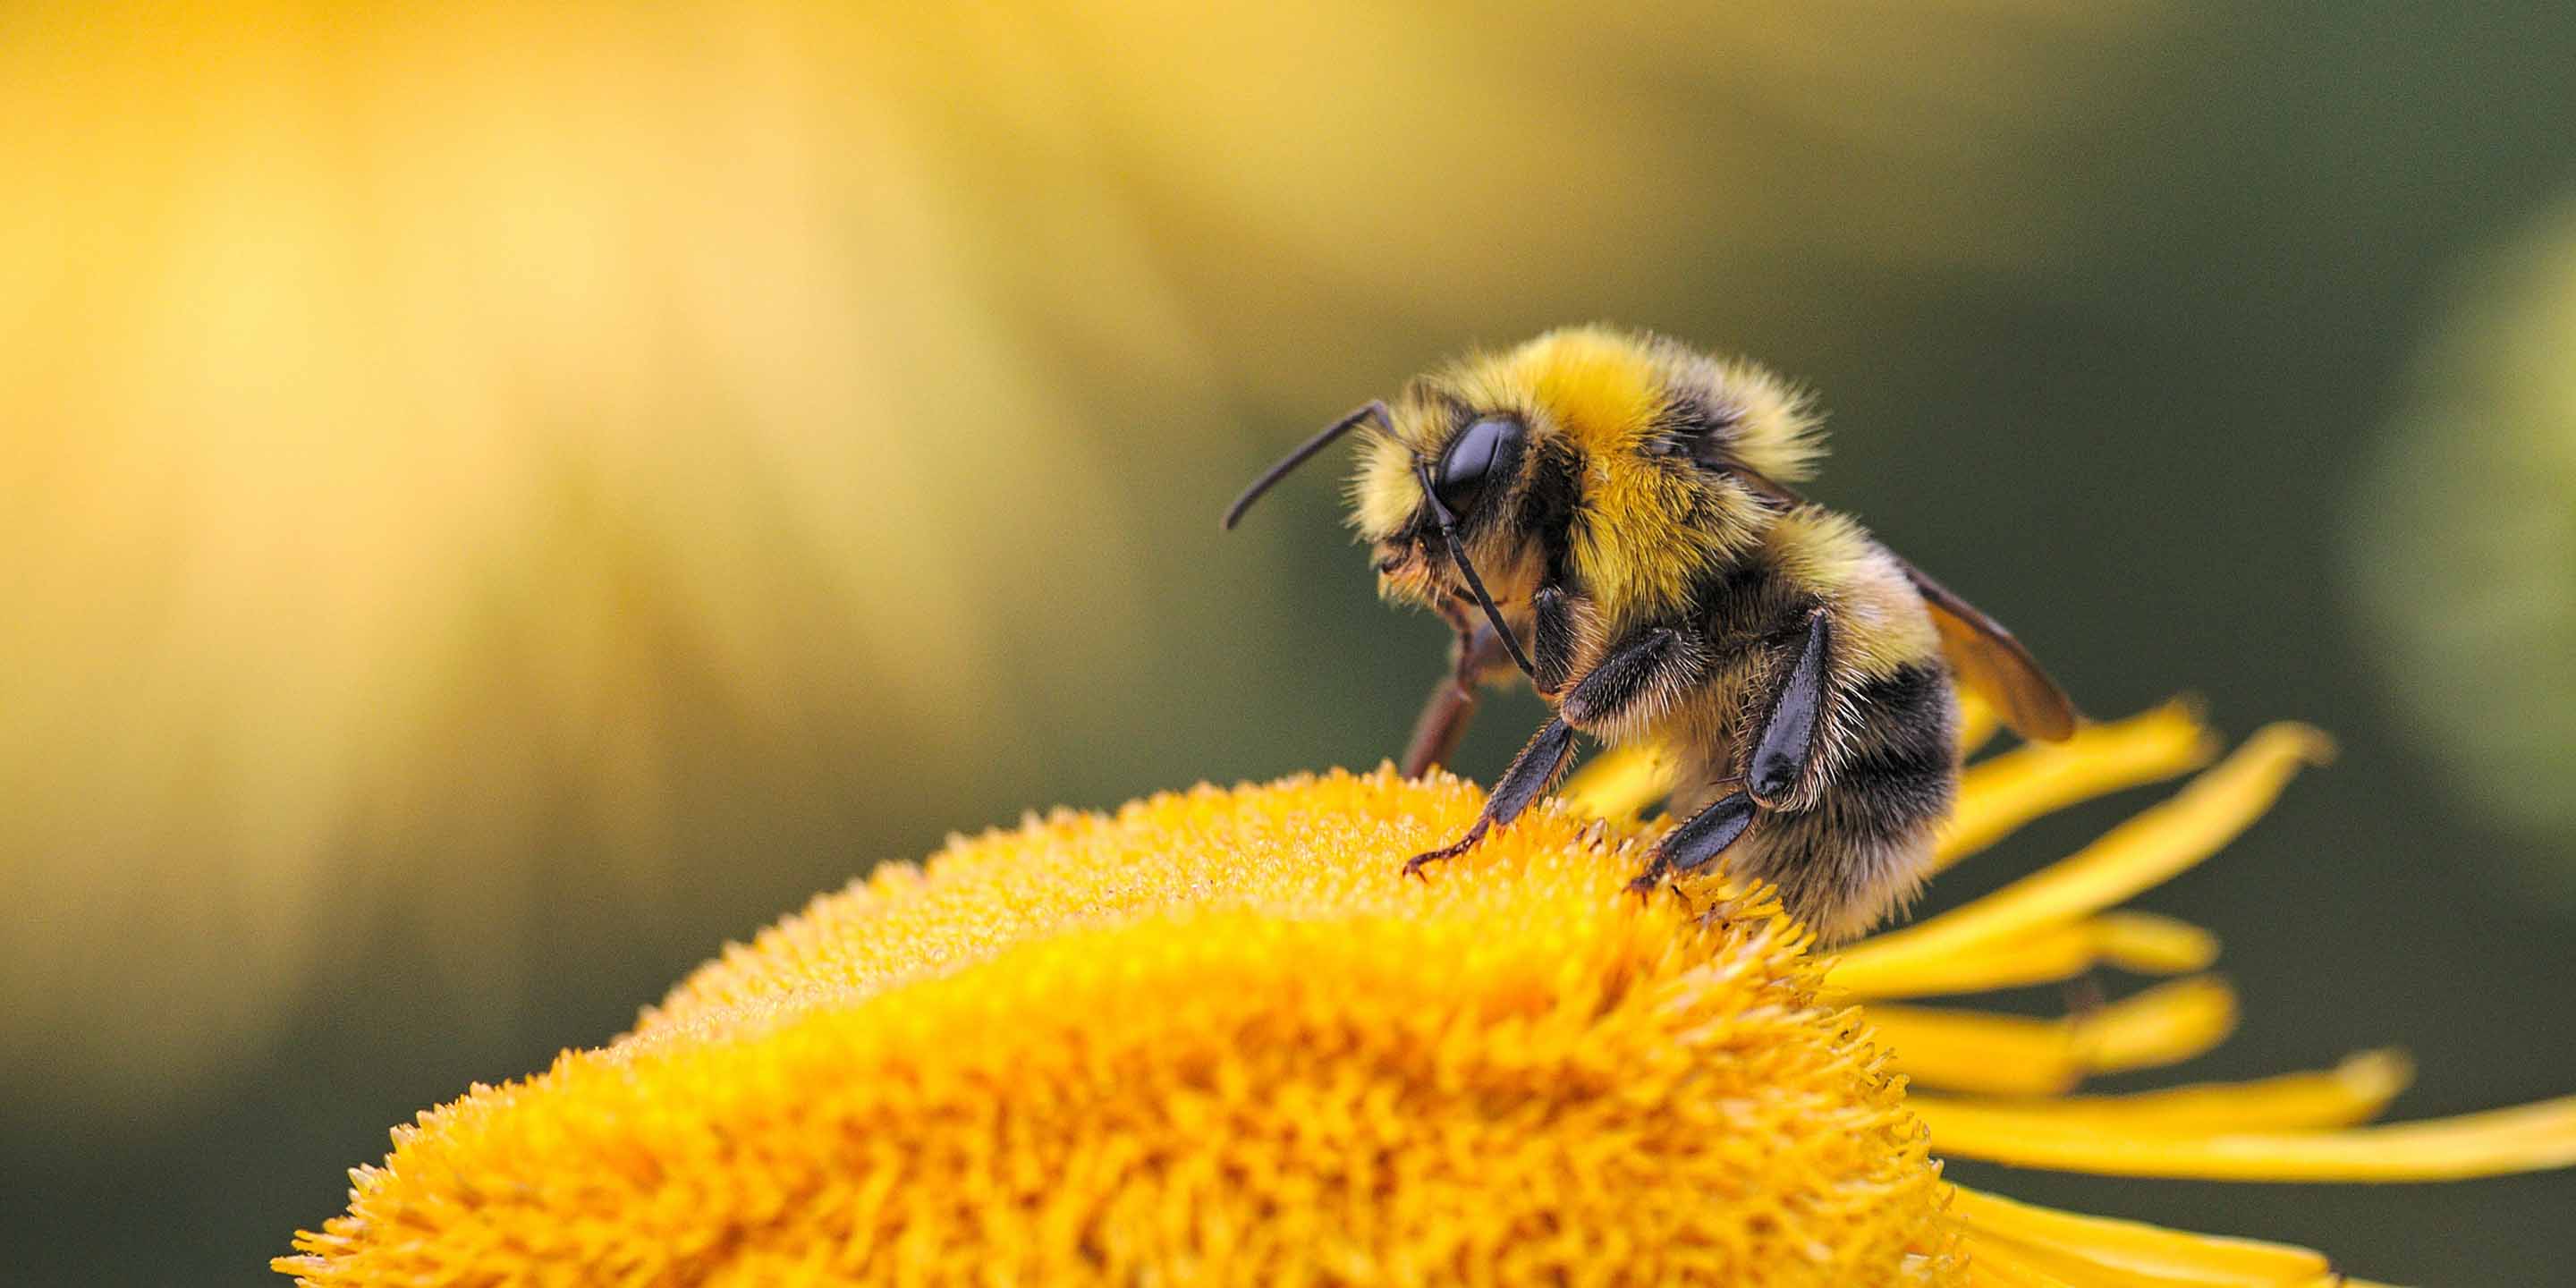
1528,777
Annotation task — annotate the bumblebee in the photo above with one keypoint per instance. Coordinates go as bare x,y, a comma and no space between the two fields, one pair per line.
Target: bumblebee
1612,515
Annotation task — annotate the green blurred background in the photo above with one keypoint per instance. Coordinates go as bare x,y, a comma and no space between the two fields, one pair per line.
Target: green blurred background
498,502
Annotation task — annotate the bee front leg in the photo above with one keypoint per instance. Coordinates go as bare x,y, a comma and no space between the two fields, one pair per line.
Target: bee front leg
1437,730
1530,775
1478,656
1452,704
1643,673
1552,638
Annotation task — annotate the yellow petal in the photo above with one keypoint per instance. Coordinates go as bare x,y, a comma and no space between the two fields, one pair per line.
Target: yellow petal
2164,1025
2137,855
2137,941
1978,722
2074,1268
1974,1051
1620,782
2093,1249
2152,945
2000,1263
2016,1055
2059,952
1998,795
2527,1138
2354,1091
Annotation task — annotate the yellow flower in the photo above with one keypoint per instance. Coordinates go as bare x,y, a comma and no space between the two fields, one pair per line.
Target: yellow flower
1215,1038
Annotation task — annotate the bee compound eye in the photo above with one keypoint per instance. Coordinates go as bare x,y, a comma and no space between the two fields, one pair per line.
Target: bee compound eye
1483,449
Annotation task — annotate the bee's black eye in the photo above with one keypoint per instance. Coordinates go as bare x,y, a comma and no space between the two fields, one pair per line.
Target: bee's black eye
1489,447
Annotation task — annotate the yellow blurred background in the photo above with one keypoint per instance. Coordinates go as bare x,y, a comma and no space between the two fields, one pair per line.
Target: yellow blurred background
501,499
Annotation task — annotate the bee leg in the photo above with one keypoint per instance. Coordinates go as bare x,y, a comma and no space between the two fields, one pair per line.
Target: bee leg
1701,837
1453,701
1642,674
1788,742
1437,730
1781,756
1479,654
1551,639
1530,775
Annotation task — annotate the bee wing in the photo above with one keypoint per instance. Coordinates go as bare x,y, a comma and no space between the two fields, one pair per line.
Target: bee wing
1988,659
1986,656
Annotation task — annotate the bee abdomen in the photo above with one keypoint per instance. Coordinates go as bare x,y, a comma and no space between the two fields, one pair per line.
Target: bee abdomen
1862,850
1903,759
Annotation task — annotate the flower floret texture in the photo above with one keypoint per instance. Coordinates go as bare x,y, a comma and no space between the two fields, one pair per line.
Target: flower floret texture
1213,1038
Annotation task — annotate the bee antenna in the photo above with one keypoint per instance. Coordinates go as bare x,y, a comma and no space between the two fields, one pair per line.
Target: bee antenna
1374,410
1458,556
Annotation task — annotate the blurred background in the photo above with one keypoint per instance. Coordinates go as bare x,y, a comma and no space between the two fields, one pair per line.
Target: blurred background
496,502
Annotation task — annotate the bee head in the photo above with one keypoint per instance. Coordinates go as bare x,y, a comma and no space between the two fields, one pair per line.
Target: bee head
1611,463
1641,466
1448,475
1442,480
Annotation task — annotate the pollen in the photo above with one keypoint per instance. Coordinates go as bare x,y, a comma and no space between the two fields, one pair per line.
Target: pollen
1215,1038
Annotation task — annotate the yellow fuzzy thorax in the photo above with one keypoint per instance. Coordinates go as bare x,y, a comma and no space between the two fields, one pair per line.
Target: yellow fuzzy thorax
1885,625
1650,528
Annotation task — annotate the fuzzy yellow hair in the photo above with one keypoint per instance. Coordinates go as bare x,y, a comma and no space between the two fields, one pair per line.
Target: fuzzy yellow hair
1649,529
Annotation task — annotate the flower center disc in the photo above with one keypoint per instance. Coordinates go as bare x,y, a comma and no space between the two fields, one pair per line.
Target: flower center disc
1214,1038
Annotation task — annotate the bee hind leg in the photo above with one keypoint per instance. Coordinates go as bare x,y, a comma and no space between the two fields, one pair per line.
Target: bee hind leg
1529,776
1781,755
1698,839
